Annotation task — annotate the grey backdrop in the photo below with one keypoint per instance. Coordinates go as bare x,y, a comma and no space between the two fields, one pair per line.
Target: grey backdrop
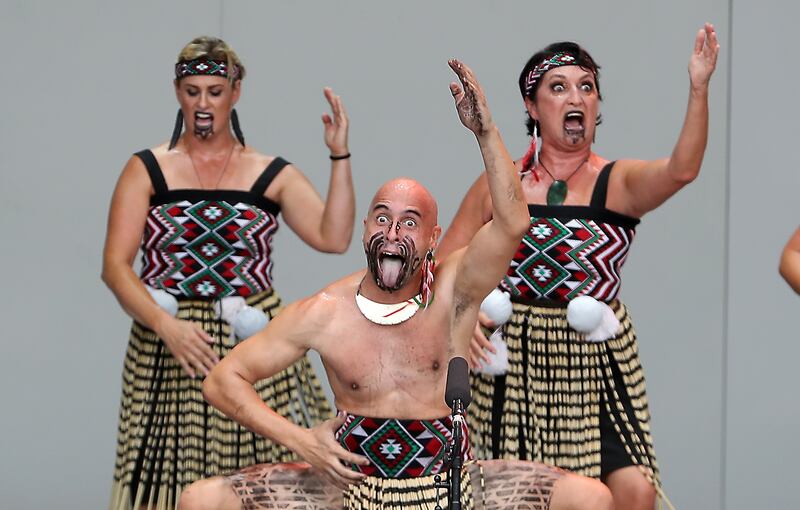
88,83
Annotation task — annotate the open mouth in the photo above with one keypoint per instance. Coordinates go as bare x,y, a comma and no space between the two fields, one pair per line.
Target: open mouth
391,264
203,120
573,123
391,268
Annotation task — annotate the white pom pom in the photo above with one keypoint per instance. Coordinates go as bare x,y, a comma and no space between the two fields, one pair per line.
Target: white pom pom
593,318
228,307
497,306
584,313
607,328
164,299
498,361
248,322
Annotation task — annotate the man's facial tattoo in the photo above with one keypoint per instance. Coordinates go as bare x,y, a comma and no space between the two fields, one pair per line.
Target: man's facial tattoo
391,270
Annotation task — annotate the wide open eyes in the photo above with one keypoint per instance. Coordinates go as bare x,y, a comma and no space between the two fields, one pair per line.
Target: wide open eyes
559,87
384,220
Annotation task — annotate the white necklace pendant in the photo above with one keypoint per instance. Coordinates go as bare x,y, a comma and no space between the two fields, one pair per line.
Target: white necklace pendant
388,314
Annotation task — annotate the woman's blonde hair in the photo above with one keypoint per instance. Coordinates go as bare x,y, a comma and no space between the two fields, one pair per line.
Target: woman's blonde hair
213,48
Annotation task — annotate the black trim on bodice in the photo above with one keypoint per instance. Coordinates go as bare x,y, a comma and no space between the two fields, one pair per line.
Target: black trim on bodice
596,210
254,196
571,250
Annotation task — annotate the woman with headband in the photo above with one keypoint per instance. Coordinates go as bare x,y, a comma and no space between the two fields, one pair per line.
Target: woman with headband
203,208
571,391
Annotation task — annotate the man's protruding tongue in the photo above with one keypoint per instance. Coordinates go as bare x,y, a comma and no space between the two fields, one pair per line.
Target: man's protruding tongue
390,270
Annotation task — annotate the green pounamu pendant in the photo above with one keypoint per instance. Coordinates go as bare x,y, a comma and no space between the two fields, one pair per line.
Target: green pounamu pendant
557,192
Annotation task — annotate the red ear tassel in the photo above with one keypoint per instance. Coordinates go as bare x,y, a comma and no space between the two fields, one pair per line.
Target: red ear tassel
529,159
428,268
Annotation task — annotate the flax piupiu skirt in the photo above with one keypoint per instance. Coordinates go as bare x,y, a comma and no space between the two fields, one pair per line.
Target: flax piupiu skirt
567,402
169,436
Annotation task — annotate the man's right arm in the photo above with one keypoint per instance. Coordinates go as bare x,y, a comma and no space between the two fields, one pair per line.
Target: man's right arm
229,386
285,340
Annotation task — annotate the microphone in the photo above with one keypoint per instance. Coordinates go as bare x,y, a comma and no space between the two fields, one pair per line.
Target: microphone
457,388
457,397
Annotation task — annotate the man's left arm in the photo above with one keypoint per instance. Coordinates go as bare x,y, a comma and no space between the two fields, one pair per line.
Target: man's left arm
486,258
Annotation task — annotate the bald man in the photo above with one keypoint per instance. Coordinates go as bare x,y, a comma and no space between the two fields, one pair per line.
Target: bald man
385,336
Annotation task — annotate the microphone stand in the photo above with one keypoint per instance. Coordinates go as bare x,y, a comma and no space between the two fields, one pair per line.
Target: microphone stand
453,482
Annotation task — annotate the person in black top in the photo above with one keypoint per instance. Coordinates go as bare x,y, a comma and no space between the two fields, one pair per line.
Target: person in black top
203,209
573,394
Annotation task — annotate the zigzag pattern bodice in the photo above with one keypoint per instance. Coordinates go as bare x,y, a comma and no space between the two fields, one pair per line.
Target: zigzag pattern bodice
208,248
570,251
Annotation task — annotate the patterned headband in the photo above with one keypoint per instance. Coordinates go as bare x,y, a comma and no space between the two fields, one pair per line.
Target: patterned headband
557,60
203,67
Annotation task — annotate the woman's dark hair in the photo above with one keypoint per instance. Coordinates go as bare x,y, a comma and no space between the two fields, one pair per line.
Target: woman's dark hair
582,59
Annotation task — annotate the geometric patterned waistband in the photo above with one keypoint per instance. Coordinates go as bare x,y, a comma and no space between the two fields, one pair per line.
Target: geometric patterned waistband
400,448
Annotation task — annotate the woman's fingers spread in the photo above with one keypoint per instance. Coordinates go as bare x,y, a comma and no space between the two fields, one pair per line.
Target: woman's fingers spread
186,367
485,321
478,353
203,335
480,338
209,358
201,357
206,351
196,365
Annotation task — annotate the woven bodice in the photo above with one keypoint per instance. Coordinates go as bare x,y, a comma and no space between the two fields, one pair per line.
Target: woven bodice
571,251
209,243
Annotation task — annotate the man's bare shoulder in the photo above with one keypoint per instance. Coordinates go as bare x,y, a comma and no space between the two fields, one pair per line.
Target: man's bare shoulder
324,305
309,321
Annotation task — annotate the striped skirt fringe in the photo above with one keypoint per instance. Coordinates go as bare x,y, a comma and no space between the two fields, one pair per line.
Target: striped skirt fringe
554,390
409,493
169,436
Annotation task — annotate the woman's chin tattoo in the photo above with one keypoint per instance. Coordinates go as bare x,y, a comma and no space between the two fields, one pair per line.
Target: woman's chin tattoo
575,137
204,133
406,251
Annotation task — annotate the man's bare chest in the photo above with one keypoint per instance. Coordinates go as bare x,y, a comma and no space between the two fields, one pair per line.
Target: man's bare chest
370,356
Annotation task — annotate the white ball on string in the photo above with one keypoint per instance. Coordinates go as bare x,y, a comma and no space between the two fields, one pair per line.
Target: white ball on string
497,306
248,322
584,314
164,299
